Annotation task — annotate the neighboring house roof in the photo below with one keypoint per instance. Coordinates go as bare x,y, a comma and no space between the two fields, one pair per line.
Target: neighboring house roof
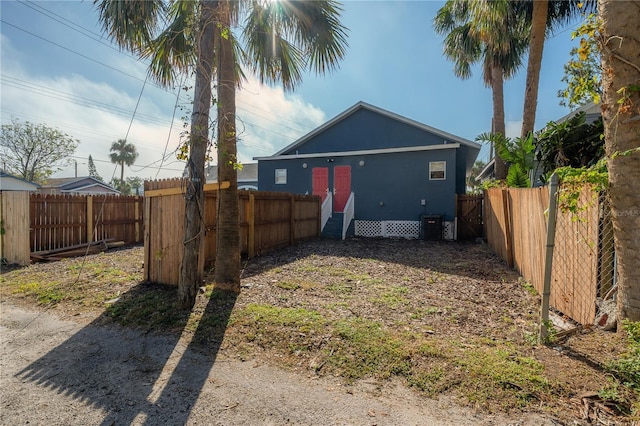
248,173
592,111
363,105
9,182
85,184
489,171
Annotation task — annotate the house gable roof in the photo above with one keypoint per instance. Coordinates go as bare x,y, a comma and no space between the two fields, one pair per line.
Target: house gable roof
79,184
6,175
365,106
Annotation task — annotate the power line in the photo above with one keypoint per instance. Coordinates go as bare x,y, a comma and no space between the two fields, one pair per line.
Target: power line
120,111
69,97
240,104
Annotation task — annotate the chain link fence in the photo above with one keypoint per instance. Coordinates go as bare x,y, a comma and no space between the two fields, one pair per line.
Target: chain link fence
583,279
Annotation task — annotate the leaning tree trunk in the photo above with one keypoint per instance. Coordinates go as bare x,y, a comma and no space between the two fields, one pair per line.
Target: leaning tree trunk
497,90
536,44
621,116
227,266
192,267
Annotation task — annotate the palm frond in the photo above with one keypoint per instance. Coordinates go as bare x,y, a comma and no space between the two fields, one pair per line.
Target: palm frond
173,51
131,24
284,38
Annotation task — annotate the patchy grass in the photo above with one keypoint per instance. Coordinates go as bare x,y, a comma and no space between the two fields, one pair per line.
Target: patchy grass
443,318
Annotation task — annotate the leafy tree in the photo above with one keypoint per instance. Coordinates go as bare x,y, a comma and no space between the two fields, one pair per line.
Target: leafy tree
34,151
283,39
128,186
518,152
582,73
571,143
135,183
123,153
93,171
473,184
491,33
620,46
121,185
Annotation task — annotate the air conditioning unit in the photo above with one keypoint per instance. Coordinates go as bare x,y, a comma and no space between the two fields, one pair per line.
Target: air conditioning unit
431,227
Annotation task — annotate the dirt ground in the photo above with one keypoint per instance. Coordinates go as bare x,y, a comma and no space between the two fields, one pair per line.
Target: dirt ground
67,365
57,372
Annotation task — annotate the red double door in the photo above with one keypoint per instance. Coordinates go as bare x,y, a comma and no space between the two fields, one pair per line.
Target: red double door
341,185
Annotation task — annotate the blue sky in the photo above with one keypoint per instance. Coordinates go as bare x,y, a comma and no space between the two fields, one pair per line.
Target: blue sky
58,69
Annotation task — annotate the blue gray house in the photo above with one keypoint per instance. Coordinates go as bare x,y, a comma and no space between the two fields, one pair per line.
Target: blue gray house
379,174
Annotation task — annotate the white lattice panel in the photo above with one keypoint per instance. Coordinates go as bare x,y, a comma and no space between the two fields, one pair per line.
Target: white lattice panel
368,228
388,228
449,230
401,228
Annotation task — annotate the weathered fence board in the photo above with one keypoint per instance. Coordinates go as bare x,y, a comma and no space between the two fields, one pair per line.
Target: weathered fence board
497,223
574,277
14,227
62,220
268,220
529,230
516,221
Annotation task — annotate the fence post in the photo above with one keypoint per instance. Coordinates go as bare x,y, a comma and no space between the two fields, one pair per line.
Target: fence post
89,219
136,209
292,237
548,261
508,228
252,226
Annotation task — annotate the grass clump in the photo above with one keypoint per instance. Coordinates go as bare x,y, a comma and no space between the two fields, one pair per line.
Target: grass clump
364,348
500,375
44,293
148,306
624,390
287,285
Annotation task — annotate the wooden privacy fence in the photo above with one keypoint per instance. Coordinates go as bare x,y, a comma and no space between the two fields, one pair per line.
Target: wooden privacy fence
268,220
39,222
516,227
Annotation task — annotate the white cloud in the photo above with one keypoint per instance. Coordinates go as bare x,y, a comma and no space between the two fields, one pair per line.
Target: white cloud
513,128
268,119
97,114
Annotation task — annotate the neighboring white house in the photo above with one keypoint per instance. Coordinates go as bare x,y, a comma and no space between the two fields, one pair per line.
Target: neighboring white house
9,182
247,175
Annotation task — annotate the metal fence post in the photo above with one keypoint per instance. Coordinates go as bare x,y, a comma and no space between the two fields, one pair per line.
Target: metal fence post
551,231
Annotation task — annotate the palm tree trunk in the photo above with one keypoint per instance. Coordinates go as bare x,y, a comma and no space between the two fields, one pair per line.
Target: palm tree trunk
536,45
497,91
192,266
121,172
227,266
620,113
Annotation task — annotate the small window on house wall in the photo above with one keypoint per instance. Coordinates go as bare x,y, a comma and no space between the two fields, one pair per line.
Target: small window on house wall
437,170
281,176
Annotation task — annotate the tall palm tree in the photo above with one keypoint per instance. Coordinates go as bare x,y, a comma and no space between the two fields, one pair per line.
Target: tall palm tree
282,39
123,153
544,15
620,113
489,32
